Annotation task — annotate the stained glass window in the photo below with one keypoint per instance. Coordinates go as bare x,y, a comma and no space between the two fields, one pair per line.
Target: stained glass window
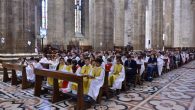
78,13
44,14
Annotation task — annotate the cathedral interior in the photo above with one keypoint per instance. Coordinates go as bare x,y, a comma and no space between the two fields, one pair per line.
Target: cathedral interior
28,27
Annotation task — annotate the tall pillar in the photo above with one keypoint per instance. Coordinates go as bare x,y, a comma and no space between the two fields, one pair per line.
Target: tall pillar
148,25
183,23
60,22
157,25
129,22
104,24
194,22
119,17
141,24
135,18
168,29
17,29
17,26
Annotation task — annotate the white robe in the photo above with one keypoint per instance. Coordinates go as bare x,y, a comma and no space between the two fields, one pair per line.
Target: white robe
44,60
118,82
142,66
183,57
30,73
168,62
160,63
103,65
187,56
96,84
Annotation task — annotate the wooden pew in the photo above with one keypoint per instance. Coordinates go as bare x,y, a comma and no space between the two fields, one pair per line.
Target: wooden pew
14,79
45,65
138,77
104,90
39,74
165,70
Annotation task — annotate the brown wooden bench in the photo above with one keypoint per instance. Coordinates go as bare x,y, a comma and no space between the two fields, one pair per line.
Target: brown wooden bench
165,70
45,65
14,79
138,77
39,74
104,90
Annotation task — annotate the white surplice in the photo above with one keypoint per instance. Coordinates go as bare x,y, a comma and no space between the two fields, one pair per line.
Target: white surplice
118,82
160,63
142,65
96,84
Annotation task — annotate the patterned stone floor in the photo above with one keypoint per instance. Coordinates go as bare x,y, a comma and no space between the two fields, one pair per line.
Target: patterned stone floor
172,91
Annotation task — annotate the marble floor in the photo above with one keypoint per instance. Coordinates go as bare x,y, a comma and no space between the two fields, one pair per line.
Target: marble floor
172,91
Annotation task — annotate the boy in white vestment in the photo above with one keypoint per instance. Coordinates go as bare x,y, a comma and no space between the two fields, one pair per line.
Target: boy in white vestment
96,79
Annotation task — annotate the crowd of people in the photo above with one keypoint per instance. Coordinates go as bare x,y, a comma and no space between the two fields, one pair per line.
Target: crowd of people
121,66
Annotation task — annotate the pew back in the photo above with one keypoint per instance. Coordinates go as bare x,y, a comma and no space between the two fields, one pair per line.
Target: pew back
40,73
14,80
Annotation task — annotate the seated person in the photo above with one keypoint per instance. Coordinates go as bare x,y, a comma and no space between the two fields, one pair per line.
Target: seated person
85,71
21,61
60,67
152,62
130,68
75,67
160,63
141,62
30,70
116,75
108,65
96,79
68,68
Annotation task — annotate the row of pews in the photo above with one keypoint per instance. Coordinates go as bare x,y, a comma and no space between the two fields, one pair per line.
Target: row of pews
42,74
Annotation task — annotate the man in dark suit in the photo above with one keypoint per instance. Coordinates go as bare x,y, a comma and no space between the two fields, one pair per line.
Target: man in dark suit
152,66
130,69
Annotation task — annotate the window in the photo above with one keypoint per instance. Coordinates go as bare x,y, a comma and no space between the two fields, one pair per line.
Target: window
78,13
44,14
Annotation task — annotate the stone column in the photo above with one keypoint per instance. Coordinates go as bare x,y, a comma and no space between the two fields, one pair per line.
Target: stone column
69,20
129,22
119,26
168,23
194,22
148,25
183,23
56,23
141,24
60,22
135,23
18,26
3,28
103,24
157,27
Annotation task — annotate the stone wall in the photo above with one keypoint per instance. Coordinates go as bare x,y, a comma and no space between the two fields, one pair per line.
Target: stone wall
184,24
